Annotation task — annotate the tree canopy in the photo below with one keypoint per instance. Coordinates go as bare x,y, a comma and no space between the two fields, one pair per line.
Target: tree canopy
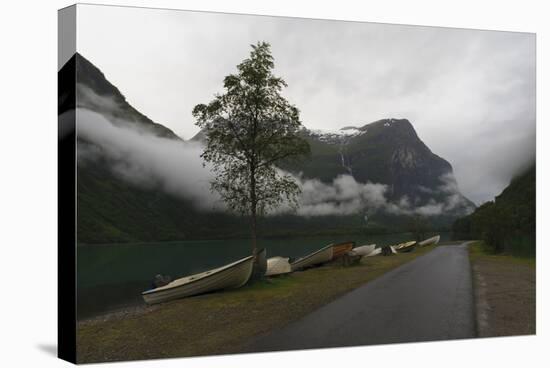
507,224
249,129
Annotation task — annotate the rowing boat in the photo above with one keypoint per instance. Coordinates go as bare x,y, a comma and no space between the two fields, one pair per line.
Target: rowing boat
405,247
319,256
431,241
338,250
364,250
375,252
277,266
230,276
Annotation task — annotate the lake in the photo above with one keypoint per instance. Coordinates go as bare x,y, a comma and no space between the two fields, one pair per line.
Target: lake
112,276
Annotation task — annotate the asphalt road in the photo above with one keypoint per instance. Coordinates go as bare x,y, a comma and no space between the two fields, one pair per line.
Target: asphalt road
427,299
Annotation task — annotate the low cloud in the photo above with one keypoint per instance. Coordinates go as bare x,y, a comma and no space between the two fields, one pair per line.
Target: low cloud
138,156
470,94
452,200
346,196
145,160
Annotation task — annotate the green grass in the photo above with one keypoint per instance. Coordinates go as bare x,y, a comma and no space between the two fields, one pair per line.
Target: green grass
224,322
479,250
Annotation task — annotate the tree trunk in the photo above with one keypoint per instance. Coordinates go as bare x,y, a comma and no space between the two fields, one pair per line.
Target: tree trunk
253,205
257,273
253,232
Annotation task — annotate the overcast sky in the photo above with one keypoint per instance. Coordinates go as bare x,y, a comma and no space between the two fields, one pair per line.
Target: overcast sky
469,94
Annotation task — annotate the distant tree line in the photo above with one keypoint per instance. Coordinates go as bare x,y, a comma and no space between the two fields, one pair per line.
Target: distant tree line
507,224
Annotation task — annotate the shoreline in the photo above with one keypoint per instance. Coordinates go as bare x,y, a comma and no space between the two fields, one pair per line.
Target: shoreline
247,239
103,290
215,323
119,313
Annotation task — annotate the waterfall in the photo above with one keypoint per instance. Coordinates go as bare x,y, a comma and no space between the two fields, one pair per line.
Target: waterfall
341,150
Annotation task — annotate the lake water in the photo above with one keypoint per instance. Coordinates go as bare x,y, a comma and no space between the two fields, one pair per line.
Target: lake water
113,276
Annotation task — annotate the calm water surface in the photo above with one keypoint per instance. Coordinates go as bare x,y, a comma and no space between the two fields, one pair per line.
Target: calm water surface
113,276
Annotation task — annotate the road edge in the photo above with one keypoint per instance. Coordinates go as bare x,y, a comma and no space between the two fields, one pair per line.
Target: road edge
479,288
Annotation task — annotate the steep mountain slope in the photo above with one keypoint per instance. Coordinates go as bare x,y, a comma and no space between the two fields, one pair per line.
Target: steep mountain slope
387,151
509,222
96,93
110,208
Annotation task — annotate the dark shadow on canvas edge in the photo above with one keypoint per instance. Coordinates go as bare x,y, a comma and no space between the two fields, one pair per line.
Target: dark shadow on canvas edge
50,349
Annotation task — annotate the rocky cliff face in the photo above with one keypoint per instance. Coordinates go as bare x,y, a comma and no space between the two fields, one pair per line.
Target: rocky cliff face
389,152
94,92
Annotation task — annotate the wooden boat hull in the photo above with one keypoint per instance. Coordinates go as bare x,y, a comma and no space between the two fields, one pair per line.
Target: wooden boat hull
277,266
322,255
365,250
233,275
431,241
338,250
405,247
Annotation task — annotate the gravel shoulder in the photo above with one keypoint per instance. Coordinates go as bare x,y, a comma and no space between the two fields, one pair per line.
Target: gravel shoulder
505,293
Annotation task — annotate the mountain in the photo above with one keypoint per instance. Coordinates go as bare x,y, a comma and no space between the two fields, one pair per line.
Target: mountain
114,209
507,224
387,151
96,93
111,209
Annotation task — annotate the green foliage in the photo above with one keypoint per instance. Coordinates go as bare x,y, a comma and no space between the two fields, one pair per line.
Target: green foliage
249,129
113,210
507,224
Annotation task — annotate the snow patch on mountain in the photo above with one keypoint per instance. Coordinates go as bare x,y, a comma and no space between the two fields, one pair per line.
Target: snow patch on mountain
337,136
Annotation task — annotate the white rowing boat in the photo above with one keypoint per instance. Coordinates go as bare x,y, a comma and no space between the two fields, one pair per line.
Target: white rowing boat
431,241
364,250
233,275
320,256
405,247
375,252
338,250
277,266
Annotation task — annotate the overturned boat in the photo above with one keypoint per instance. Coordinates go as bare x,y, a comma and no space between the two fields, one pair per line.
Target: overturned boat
230,276
338,250
322,255
375,252
365,250
278,266
430,241
405,247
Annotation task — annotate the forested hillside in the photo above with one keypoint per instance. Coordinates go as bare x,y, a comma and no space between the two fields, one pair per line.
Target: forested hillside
506,224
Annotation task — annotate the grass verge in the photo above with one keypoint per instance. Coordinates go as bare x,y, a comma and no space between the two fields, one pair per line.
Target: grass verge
504,288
